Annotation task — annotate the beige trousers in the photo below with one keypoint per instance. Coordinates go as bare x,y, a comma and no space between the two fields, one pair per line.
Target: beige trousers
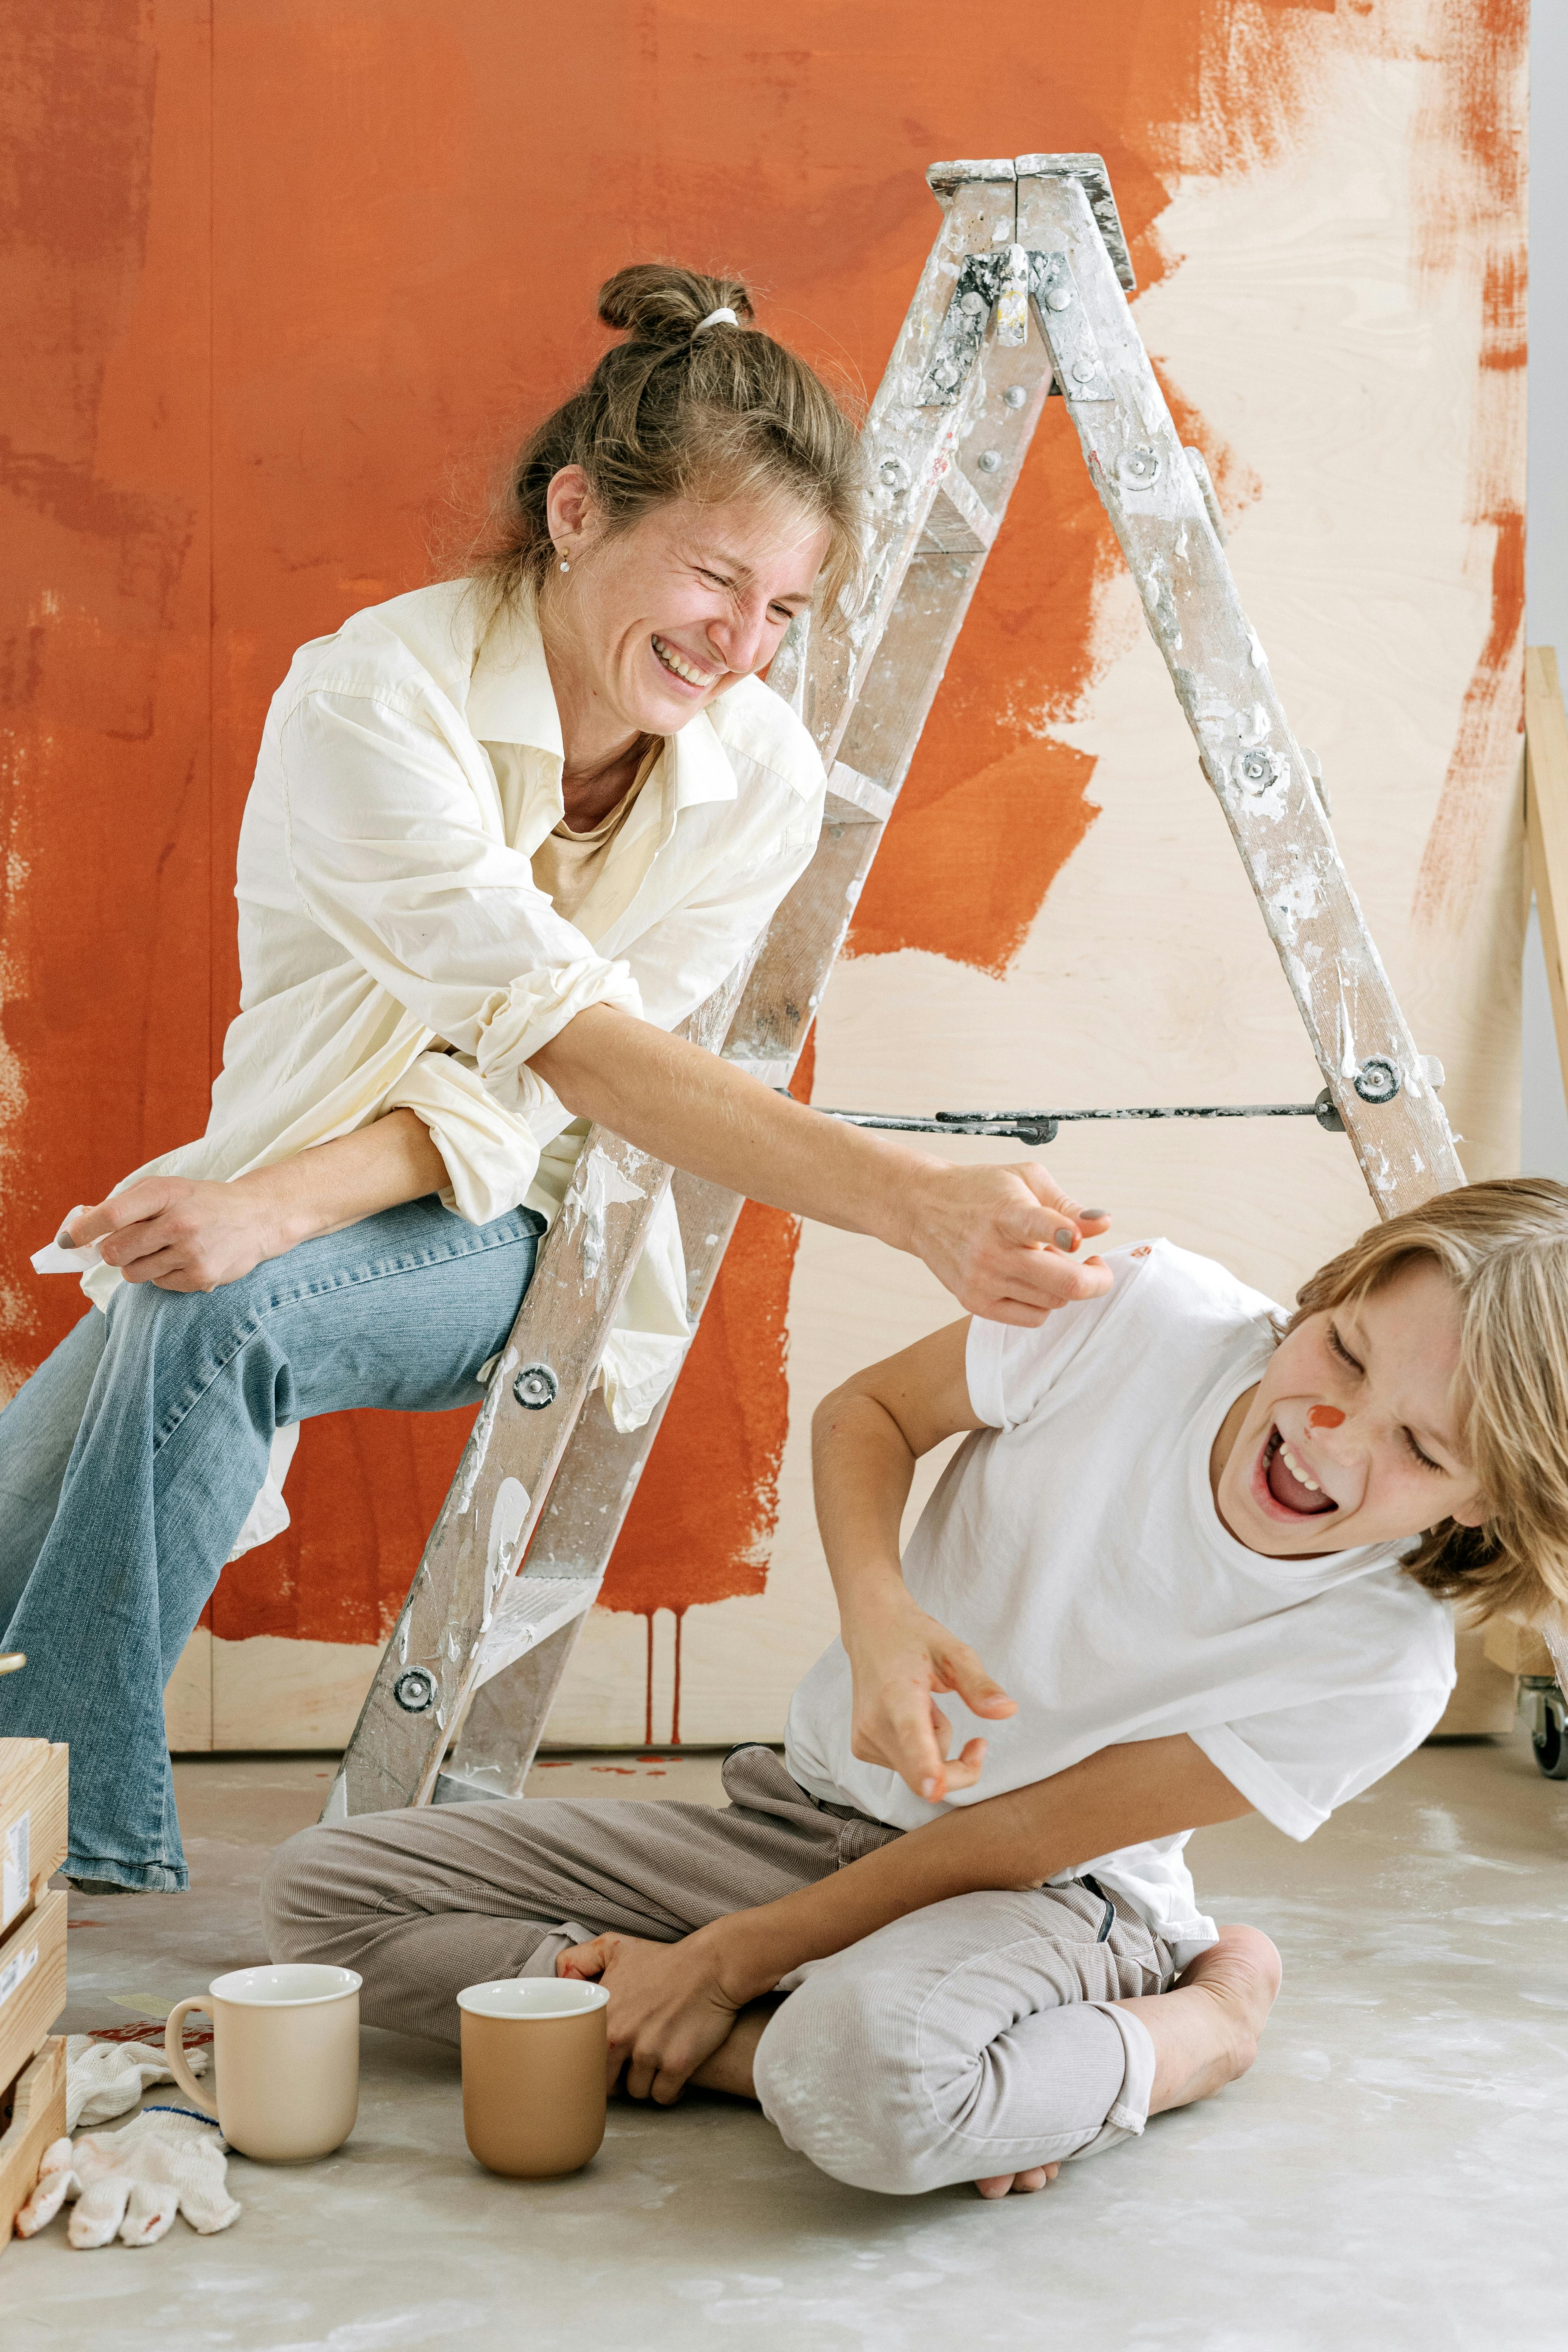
974,2037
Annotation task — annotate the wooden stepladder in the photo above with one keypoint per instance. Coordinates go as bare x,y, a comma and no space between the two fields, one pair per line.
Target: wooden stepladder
1023,296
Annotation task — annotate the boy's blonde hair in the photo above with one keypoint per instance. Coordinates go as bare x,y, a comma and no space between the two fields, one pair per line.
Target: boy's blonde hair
1504,1247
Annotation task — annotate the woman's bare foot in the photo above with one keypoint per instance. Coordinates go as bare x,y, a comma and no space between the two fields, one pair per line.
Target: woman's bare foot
1205,2030
1020,2184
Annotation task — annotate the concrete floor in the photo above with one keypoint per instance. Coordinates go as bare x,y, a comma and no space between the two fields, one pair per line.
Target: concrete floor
1391,2174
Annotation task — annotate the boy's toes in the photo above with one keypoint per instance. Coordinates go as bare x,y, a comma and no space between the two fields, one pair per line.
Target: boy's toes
999,2184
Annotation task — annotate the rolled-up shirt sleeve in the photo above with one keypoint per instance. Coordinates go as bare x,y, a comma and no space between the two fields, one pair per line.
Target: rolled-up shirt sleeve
389,852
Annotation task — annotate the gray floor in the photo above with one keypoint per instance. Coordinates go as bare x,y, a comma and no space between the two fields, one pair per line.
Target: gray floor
1392,2173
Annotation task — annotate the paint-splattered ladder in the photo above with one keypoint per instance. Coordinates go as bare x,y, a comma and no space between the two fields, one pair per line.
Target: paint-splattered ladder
1022,295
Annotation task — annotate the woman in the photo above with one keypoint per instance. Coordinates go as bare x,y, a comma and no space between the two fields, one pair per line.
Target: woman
504,835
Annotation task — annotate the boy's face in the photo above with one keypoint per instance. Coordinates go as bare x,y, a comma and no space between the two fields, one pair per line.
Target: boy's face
1352,1435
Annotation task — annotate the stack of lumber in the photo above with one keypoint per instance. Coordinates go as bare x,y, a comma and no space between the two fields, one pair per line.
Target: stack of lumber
32,1965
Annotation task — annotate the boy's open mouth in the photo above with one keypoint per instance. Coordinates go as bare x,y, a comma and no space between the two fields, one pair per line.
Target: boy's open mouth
1286,1488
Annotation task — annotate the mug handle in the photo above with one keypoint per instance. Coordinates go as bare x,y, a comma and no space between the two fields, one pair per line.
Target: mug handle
174,2050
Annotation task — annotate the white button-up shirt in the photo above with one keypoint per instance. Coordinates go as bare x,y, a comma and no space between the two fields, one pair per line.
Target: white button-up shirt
395,950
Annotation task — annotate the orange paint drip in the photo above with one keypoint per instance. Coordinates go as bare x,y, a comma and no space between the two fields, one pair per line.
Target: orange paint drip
1324,1416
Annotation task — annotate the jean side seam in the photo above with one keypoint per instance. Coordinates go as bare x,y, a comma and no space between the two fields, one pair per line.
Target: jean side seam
259,1317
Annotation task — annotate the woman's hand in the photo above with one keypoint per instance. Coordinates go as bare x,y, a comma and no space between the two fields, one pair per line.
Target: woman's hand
669,2007
182,1234
1002,1239
899,1658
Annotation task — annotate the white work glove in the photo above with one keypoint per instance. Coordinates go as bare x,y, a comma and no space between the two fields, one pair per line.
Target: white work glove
104,2078
132,2183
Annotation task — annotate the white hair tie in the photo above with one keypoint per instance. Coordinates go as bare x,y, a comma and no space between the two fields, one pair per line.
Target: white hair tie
724,317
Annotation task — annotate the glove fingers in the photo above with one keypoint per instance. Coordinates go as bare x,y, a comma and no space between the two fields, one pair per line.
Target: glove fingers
47,2199
150,2211
99,2210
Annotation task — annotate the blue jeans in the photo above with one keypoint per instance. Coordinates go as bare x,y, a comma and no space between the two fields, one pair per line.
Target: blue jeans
130,1460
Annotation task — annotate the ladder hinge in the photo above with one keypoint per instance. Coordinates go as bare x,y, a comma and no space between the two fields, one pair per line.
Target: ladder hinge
1011,280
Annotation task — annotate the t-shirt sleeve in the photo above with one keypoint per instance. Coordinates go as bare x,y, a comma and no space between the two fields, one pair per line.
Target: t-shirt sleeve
1295,1764
1010,1370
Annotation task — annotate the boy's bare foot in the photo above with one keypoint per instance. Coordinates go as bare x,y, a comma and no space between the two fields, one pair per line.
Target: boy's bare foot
1205,2030
1019,2184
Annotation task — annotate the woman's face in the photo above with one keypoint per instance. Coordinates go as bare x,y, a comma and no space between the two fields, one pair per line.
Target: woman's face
1352,1435
657,621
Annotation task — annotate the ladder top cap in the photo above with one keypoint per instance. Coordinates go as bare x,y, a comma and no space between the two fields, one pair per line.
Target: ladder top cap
1040,167
942,178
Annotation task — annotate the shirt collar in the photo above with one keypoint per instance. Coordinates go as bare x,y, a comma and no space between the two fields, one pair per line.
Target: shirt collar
511,701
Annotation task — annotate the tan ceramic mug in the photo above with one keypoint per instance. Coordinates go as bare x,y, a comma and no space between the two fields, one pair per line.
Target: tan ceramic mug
286,2053
534,2058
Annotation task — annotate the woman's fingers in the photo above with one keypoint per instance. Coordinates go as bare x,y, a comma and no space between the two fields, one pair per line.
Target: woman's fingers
1004,1238
133,1206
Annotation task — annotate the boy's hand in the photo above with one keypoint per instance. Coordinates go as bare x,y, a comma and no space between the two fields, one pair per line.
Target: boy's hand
669,2007
900,1657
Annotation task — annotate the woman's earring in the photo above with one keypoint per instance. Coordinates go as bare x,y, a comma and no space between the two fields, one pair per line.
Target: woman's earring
565,566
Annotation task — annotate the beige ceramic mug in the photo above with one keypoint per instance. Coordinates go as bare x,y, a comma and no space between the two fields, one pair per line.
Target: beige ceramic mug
286,2054
534,2061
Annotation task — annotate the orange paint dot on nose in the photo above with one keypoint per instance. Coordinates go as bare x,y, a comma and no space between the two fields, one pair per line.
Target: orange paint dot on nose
1324,1416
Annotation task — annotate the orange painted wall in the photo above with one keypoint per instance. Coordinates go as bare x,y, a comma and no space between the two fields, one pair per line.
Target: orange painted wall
278,278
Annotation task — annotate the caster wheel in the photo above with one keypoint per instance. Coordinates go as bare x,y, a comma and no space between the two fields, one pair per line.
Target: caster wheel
1550,1742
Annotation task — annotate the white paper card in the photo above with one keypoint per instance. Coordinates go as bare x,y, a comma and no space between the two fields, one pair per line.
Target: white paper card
57,1258
16,1972
14,1872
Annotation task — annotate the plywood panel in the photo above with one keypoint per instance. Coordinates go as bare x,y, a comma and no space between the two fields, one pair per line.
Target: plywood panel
291,276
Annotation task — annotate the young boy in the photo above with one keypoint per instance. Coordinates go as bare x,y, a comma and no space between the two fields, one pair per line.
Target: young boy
1210,1562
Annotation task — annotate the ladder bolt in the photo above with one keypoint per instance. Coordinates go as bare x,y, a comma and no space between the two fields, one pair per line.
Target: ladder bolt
535,1387
1014,396
990,460
415,1691
894,475
1059,298
945,373
1377,1080
1138,466
973,303
1256,769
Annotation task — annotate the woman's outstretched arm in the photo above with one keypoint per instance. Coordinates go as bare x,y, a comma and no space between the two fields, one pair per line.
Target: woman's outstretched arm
997,1238
1000,1239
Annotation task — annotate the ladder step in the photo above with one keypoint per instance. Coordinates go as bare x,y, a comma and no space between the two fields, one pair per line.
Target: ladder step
530,1609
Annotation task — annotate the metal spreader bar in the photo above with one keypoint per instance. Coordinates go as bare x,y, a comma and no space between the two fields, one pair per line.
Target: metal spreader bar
1022,295
1040,1126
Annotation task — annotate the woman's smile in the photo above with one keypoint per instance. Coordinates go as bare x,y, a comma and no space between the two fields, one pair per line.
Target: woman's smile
683,667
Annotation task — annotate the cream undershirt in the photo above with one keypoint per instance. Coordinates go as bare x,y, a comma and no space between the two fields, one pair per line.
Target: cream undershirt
567,864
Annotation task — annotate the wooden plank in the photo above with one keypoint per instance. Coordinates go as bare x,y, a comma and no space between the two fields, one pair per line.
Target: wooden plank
1223,683
32,1981
32,2117
1546,822
1517,1649
34,1786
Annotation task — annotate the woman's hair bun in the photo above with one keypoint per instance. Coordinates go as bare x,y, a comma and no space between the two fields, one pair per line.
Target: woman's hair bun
659,302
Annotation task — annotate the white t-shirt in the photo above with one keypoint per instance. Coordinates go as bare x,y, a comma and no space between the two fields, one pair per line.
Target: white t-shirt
1074,1544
